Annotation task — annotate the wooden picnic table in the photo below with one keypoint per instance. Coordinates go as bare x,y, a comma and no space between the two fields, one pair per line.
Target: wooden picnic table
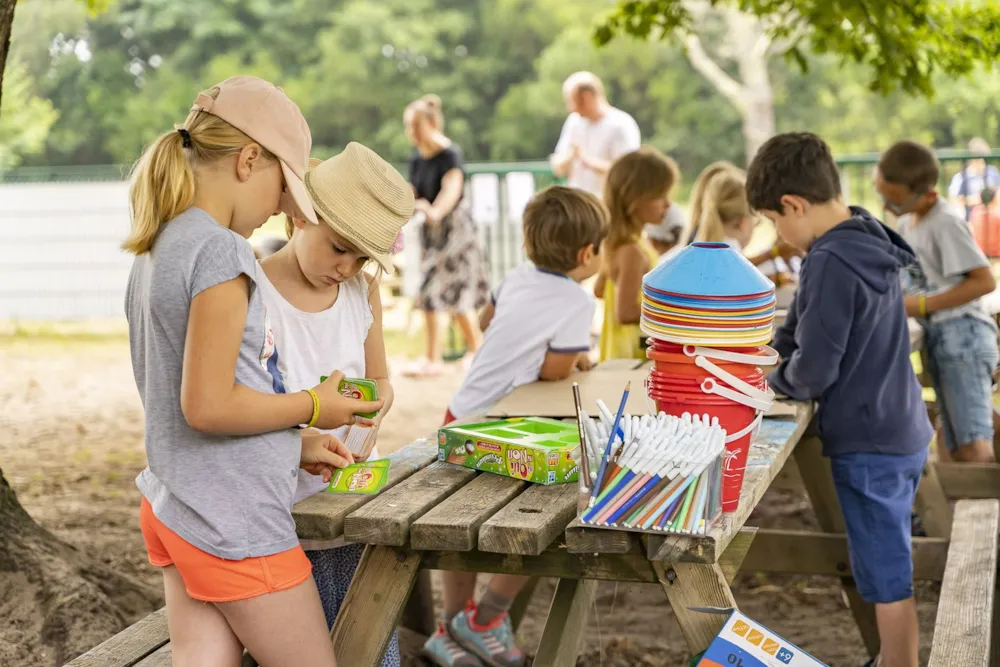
437,516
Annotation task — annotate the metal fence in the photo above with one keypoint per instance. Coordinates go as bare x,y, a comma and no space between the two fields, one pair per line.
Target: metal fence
60,228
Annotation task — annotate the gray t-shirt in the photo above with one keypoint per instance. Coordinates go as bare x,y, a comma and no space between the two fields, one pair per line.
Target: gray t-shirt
228,496
946,252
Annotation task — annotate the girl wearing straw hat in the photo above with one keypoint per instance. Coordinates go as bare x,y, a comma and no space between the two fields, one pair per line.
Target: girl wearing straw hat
453,265
327,313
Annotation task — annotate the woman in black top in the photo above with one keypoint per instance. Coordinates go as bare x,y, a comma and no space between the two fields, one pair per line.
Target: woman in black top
452,267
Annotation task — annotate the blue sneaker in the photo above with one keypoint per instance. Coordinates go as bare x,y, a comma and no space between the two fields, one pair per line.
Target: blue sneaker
493,643
442,650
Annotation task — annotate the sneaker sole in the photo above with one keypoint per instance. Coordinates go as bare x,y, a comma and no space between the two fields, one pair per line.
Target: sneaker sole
473,649
433,658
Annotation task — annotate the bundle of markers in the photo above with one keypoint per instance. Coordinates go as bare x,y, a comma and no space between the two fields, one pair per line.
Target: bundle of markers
660,473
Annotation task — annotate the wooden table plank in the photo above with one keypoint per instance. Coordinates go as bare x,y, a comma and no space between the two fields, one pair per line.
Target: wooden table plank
321,516
962,629
969,480
387,518
130,645
530,522
454,524
162,657
772,447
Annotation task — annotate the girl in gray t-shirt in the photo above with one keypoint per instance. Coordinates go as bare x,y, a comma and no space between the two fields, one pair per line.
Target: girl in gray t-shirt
219,426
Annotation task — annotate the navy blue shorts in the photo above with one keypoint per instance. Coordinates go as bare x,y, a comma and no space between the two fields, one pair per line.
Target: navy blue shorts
876,493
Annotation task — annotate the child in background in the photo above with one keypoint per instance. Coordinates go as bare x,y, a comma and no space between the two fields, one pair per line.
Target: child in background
637,193
724,216
327,312
667,235
537,328
845,342
961,337
219,426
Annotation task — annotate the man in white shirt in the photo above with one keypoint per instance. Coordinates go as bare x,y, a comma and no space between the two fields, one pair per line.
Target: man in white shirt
594,135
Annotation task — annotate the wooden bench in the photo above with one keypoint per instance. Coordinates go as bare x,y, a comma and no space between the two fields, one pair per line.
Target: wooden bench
962,630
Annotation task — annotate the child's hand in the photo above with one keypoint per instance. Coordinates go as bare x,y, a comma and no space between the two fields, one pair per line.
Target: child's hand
323,453
335,409
584,362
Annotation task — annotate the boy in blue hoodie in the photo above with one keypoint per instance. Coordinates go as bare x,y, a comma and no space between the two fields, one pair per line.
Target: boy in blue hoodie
846,345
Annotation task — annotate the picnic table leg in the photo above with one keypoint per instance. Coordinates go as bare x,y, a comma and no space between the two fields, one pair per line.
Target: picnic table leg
373,605
932,505
567,620
696,585
521,602
818,480
418,614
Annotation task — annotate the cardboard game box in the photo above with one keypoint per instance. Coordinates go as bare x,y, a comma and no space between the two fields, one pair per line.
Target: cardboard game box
533,448
743,642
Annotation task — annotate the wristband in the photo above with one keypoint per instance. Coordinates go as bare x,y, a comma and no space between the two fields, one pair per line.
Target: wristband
315,413
922,305
774,251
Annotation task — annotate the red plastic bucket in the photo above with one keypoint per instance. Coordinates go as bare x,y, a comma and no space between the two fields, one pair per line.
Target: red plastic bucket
669,358
690,381
733,417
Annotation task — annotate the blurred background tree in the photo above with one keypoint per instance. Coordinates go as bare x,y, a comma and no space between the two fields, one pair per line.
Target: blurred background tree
94,88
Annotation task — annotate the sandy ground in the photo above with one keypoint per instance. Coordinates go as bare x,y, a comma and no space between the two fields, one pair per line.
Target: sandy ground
71,445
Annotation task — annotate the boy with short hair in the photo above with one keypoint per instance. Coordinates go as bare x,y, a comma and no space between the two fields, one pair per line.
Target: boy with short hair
846,344
536,328
961,338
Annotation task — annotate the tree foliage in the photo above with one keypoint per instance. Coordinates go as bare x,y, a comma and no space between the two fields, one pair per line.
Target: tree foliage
902,44
115,80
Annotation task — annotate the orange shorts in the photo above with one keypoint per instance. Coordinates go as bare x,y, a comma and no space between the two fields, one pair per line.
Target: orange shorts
212,579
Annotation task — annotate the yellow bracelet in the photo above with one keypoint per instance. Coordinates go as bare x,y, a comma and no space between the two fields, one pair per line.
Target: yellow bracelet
315,414
922,306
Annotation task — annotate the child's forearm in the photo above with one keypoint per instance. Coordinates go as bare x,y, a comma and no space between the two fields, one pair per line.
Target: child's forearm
243,411
978,283
386,393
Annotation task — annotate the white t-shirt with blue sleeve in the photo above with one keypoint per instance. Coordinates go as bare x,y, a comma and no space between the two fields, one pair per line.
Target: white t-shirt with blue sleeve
535,311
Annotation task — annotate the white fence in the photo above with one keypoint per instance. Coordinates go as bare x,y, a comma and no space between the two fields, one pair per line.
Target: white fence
59,254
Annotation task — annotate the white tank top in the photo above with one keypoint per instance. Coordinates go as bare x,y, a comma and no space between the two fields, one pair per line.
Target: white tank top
312,345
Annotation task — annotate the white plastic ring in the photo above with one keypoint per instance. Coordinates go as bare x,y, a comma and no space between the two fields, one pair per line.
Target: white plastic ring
768,359
710,386
735,382
752,426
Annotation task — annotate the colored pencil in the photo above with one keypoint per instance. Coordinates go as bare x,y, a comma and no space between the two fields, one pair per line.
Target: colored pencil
607,450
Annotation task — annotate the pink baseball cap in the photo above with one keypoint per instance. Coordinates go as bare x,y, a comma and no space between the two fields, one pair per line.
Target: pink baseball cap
263,112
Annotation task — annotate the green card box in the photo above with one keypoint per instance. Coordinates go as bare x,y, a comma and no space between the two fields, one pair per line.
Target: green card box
534,449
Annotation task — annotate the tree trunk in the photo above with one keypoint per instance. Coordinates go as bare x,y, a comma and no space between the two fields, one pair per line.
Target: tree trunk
6,21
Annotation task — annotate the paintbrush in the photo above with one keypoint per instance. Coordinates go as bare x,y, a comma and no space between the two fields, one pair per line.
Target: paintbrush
584,454
607,450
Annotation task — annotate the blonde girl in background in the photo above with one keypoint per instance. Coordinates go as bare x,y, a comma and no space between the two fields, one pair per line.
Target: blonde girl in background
220,431
453,263
637,193
327,312
719,200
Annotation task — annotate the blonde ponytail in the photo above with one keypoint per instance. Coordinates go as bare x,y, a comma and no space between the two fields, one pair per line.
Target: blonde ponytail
162,187
698,193
163,179
724,203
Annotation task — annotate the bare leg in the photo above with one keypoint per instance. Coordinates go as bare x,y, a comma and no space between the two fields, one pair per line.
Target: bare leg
507,585
943,455
977,451
898,630
433,337
470,331
503,588
283,629
459,587
199,633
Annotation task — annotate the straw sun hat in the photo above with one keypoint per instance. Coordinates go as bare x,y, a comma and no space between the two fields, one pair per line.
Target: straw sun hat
363,198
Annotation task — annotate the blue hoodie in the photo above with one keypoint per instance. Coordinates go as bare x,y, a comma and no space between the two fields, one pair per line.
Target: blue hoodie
846,342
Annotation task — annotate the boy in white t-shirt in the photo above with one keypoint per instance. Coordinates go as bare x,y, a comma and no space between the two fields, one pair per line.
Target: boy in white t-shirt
536,328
